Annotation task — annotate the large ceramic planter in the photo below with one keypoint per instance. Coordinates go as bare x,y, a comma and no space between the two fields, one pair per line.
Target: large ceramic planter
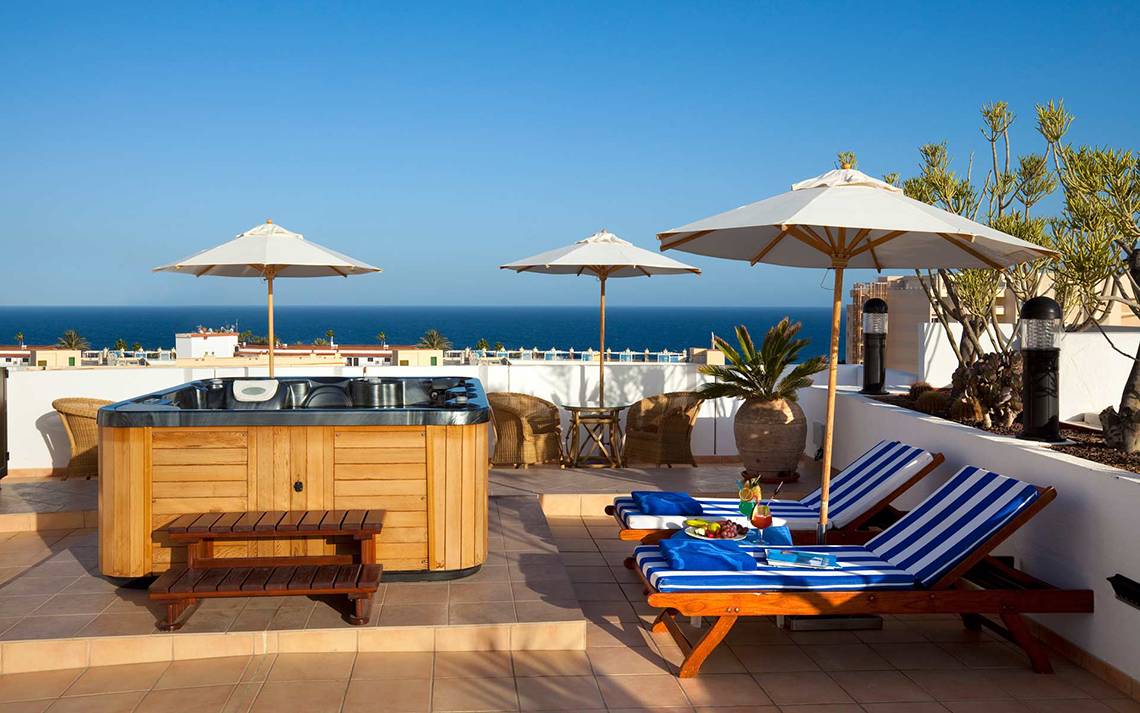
770,437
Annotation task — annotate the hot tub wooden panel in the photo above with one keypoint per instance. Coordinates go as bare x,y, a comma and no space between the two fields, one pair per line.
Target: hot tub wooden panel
431,481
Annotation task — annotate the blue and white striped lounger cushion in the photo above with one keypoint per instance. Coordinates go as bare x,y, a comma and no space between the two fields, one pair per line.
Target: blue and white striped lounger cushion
925,544
872,477
946,527
858,569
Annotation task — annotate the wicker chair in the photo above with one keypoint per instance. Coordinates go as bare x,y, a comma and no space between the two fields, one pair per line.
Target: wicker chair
78,416
527,430
658,428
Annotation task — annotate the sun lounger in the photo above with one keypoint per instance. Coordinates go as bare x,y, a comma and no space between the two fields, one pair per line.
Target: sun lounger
858,493
933,560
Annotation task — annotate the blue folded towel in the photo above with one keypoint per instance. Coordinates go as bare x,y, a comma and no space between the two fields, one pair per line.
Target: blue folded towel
776,535
652,502
684,553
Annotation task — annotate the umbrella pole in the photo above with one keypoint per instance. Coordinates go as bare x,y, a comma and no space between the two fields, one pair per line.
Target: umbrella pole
269,282
602,355
832,368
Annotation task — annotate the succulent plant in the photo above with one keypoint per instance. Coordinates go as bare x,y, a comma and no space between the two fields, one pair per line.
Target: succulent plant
917,389
994,382
933,402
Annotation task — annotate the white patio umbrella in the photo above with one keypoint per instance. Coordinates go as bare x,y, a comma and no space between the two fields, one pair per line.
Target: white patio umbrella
269,251
603,255
841,219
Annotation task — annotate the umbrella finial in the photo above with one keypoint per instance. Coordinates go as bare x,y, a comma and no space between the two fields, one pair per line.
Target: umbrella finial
269,221
844,166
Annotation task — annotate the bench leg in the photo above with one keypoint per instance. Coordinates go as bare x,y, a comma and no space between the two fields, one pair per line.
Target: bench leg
174,611
361,609
1019,632
972,622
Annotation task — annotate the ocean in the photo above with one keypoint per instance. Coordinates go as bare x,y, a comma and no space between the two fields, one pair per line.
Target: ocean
638,328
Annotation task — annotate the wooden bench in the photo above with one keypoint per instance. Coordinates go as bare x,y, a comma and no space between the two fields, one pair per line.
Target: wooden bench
207,577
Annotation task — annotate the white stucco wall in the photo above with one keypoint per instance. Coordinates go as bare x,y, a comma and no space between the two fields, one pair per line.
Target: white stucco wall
1087,534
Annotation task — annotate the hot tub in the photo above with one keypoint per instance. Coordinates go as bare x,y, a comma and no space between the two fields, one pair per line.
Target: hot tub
413,447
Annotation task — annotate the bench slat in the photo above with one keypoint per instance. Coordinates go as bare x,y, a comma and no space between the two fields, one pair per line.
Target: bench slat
188,580
257,580
204,522
325,577
269,521
354,519
167,580
373,519
182,522
291,520
234,580
279,580
302,578
248,521
226,522
347,576
369,577
311,520
210,581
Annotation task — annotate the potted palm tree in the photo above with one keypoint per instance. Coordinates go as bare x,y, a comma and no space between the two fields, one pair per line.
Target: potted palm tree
770,427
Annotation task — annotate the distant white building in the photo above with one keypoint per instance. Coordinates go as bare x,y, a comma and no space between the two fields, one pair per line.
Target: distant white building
199,345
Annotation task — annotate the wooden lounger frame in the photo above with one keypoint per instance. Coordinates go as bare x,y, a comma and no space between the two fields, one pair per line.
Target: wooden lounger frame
967,590
852,534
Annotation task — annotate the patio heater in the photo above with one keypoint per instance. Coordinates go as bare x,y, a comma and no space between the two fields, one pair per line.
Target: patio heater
1040,351
874,346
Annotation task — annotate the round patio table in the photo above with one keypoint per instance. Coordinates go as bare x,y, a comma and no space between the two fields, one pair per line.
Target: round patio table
601,426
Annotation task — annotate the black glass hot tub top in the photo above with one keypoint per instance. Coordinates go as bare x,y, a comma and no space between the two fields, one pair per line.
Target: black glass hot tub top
307,401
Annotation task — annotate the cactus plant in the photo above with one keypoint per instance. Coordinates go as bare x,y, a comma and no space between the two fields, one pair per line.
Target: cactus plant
933,402
917,389
994,382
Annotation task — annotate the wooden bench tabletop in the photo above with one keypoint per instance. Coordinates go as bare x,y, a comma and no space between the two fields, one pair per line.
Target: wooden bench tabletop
264,581
275,523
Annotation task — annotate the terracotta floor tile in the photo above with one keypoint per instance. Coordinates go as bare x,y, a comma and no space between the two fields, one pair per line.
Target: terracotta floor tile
1088,683
203,672
242,698
963,684
312,667
776,659
472,664
547,610
614,661
474,694
910,707
41,684
551,663
480,592
985,706
412,615
308,696
738,689
738,709
47,627
618,610
986,655
102,703
845,657
203,699
383,665
1068,706
482,613
416,593
801,688
657,691
1025,685
823,708
618,633
388,696
598,591
564,693
879,686
120,623
595,573
558,588
26,706
115,679
27,585
916,655
77,603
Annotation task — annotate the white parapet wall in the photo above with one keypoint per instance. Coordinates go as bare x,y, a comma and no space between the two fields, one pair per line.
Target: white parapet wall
37,442
1086,535
1092,372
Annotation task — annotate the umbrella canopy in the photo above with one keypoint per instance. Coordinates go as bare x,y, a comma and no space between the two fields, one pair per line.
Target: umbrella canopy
845,218
603,255
269,251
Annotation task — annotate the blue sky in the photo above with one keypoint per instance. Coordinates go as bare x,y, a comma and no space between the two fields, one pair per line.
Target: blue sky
441,140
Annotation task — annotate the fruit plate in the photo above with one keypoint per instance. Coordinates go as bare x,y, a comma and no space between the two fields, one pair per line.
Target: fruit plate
691,532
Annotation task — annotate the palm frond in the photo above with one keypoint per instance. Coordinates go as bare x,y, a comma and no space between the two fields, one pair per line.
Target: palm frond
768,374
